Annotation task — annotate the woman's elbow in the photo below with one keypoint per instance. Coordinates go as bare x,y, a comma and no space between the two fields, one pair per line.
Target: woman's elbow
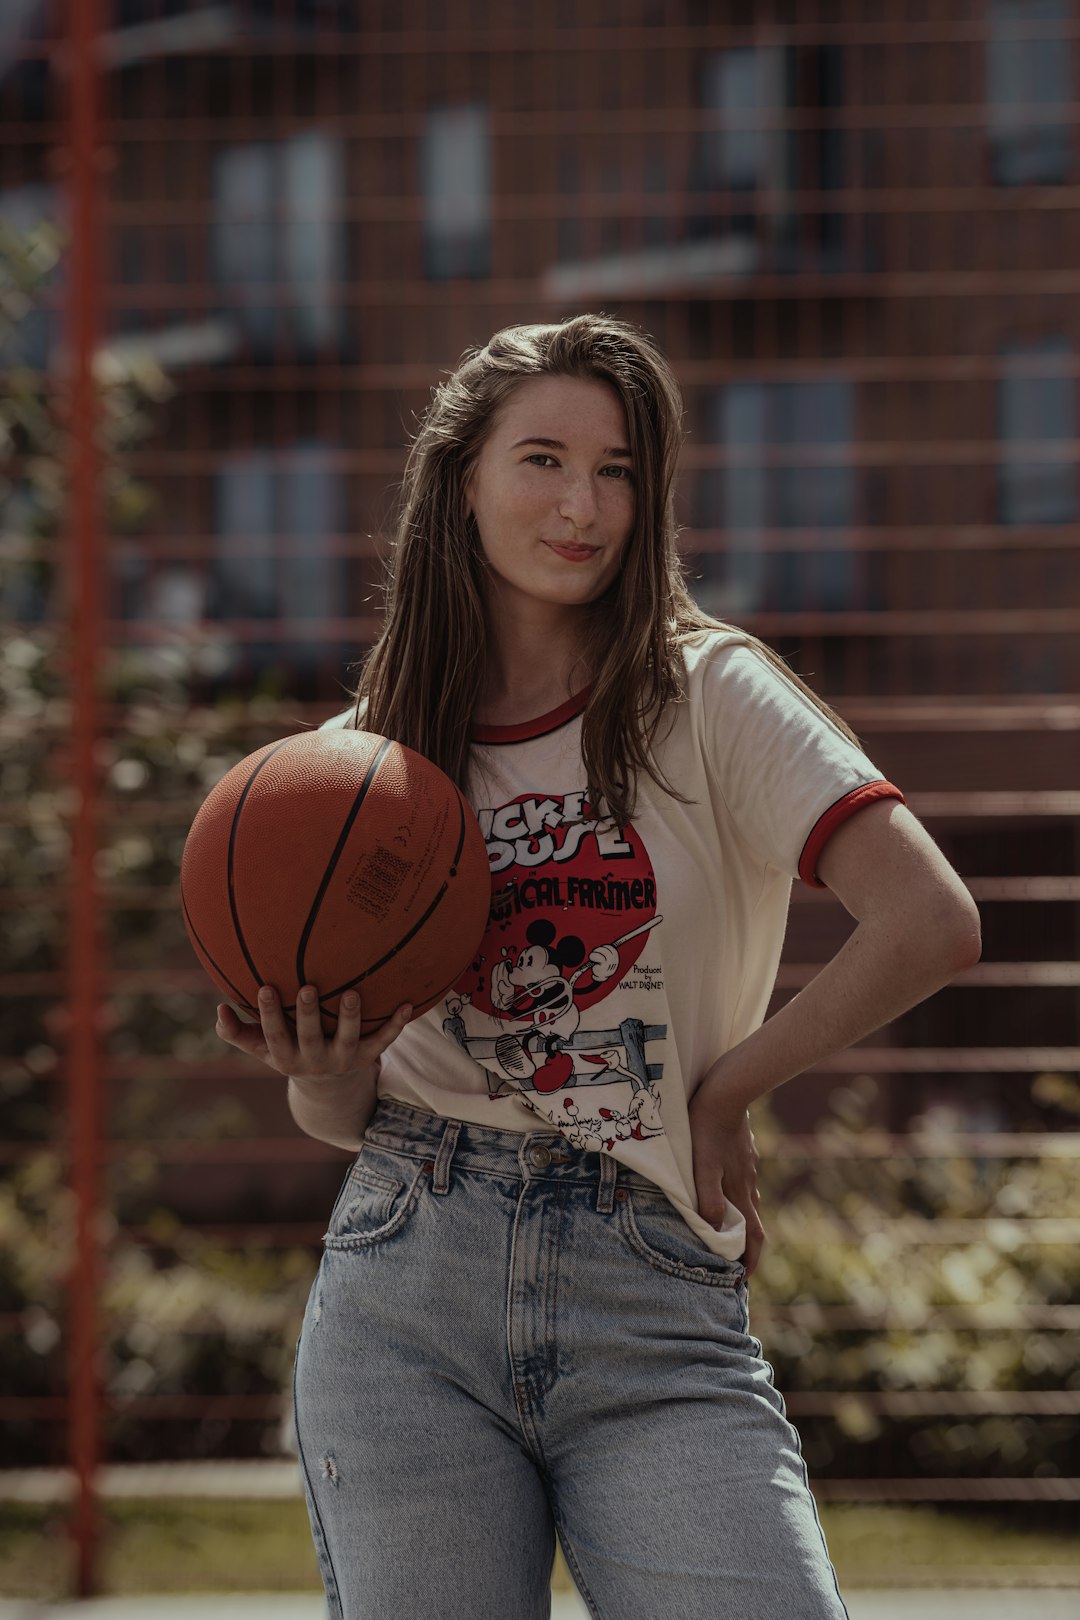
960,934
939,934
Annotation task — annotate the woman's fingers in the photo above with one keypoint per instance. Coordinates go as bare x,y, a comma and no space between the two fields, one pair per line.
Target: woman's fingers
310,1037
755,1242
725,1161
310,1053
389,1031
348,1043
246,1038
276,1032
740,1184
269,1040
347,1035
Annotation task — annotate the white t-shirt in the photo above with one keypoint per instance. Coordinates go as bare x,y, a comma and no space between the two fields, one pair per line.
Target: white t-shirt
618,965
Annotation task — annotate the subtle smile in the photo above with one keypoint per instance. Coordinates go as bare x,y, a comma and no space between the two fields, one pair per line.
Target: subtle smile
572,553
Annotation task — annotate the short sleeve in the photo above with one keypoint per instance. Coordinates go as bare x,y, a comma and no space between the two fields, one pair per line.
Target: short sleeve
786,773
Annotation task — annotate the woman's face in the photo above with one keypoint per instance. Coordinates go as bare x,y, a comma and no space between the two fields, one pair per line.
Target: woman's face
552,492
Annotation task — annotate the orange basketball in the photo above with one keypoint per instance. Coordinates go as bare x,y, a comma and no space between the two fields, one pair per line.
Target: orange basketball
339,859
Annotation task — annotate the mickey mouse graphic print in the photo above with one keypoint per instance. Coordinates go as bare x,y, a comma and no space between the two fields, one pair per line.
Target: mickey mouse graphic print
620,962
566,955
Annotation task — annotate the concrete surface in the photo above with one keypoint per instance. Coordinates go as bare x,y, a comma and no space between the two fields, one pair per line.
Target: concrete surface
279,1478
920,1604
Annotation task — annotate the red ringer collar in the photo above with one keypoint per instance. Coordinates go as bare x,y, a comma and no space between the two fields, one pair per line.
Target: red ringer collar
529,730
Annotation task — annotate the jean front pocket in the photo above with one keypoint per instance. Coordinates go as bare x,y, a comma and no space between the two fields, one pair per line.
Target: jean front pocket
656,1232
380,1193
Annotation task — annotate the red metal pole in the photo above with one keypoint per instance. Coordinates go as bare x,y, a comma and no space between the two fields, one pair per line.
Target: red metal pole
85,576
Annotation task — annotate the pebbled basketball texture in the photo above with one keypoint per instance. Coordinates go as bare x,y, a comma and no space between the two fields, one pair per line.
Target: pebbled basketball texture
339,859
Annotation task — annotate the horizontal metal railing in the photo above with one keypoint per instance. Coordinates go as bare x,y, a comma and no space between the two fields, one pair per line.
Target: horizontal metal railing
416,36
945,255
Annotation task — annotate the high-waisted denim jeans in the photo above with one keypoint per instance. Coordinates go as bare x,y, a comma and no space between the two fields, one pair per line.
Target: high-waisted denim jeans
510,1338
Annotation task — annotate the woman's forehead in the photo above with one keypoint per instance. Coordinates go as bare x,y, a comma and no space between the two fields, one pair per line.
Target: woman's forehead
551,407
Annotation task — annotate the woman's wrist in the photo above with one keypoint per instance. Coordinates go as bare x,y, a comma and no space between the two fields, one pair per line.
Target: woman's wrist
336,1108
876,975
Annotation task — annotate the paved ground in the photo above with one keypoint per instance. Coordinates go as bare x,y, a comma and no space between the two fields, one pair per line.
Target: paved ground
914,1605
279,1479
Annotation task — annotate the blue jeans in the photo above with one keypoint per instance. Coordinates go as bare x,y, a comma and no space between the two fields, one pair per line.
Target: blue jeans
511,1338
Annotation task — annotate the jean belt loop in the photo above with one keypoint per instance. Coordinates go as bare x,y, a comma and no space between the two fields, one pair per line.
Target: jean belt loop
440,1181
608,1172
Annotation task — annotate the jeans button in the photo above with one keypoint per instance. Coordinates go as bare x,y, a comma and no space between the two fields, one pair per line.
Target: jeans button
540,1156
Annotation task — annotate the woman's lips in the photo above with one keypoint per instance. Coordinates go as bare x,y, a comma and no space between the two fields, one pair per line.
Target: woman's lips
573,553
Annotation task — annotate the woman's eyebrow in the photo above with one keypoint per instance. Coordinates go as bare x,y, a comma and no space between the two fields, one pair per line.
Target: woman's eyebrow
557,444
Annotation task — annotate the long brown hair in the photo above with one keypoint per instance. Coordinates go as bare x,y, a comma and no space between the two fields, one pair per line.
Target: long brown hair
422,678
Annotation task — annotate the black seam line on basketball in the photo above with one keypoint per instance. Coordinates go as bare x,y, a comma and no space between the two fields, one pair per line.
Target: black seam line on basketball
375,966
241,941
372,772
402,942
461,830
373,1017
217,969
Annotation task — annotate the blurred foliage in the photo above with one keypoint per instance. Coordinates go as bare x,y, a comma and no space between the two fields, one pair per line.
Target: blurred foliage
182,1314
859,1232
173,1545
185,1314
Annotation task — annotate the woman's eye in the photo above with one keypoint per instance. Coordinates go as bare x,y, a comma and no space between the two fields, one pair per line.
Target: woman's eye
625,476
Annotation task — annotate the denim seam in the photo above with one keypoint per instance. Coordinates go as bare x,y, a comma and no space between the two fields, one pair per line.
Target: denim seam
551,1303
572,1561
666,1264
347,1242
527,1388
326,1562
513,1176
387,1188
463,1167
806,1478
370,1177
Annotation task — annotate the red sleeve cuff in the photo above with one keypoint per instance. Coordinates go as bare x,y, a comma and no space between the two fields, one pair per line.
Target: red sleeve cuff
837,813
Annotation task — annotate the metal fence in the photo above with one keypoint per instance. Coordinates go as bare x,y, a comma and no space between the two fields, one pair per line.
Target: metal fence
857,234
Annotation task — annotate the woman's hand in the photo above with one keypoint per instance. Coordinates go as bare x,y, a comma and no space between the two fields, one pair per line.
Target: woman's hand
310,1057
725,1162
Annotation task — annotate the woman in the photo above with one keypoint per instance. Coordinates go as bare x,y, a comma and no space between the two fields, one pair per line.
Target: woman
531,1312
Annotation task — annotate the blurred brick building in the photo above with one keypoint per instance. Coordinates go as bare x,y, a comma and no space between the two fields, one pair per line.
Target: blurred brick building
855,229
856,232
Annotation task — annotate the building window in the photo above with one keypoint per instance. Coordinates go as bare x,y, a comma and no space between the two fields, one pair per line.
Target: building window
734,151
1027,75
1037,402
274,512
737,153
278,238
456,185
745,147
758,491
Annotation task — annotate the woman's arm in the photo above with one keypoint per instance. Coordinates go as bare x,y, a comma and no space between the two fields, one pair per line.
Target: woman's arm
333,1080
918,927
335,1111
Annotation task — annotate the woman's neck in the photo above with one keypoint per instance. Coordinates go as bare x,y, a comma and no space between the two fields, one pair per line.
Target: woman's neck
530,672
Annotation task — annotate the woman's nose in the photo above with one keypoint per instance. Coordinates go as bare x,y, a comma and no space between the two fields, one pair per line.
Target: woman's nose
578,502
